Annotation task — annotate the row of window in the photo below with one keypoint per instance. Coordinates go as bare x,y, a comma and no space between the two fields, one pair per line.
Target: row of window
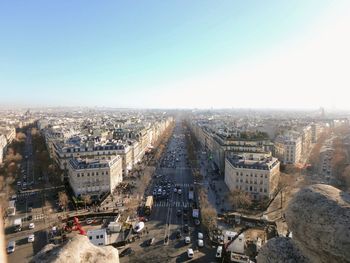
251,175
251,189
92,174
97,237
246,181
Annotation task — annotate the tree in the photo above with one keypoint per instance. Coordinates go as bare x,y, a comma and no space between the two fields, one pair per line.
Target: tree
34,132
87,200
240,199
21,137
63,199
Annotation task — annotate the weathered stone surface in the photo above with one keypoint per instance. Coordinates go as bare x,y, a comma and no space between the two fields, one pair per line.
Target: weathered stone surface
319,218
280,250
79,249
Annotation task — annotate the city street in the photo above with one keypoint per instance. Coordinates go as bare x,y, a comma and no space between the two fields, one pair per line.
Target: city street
172,209
34,205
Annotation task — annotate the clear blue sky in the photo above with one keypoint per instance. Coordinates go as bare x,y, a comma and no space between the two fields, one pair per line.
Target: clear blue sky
130,53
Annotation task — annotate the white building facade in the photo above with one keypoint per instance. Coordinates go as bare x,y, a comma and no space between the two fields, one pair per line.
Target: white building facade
93,177
255,174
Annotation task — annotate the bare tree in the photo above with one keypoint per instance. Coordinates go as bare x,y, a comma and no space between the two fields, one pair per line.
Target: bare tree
240,199
87,200
21,136
34,132
63,199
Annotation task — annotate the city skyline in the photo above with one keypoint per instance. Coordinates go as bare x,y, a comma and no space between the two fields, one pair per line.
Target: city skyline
162,55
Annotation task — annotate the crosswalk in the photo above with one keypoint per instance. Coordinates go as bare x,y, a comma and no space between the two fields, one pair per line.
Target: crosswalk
38,217
184,185
171,204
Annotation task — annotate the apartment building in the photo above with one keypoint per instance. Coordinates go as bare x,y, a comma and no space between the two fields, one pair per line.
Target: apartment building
254,173
288,148
94,177
3,145
91,150
220,145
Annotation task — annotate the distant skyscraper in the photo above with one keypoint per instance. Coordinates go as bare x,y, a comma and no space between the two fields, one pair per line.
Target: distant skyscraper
322,113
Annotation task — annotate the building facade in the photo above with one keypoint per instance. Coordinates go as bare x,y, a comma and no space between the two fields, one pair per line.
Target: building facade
256,174
93,177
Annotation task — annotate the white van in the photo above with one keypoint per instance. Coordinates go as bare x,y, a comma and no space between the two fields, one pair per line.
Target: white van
218,252
190,253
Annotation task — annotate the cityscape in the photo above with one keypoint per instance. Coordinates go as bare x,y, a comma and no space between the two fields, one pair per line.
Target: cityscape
175,132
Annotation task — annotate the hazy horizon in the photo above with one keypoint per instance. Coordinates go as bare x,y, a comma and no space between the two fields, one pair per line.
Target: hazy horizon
160,55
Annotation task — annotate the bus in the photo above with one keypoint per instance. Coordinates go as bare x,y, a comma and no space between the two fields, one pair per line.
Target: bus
148,205
11,210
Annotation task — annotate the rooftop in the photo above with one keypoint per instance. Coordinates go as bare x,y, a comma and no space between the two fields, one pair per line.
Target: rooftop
264,163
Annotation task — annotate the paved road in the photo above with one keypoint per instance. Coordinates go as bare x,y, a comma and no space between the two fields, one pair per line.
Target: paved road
28,198
168,211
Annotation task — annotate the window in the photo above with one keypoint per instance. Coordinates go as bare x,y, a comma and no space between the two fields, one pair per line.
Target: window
101,236
88,174
97,237
78,175
106,172
102,173
265,190
90,237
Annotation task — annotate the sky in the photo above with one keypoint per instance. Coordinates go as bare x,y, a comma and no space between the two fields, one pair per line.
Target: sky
175,54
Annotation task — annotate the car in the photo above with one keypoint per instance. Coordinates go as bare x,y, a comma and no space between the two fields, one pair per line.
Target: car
179,191
200,243
218,252
11,246
31,226
31,238
150,242
30,217
197,222
126,252
89,221
175,190
200,235
30,209
186,228
187,240
178,234
190,253
178,212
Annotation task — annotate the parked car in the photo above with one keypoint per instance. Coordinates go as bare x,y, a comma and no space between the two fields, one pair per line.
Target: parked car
11,246
31,238
190,253
187,240
178,233
151,241
31,226
200,235
200,243
186,228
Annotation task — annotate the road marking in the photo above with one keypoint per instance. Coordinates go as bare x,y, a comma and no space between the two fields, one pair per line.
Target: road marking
38,217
